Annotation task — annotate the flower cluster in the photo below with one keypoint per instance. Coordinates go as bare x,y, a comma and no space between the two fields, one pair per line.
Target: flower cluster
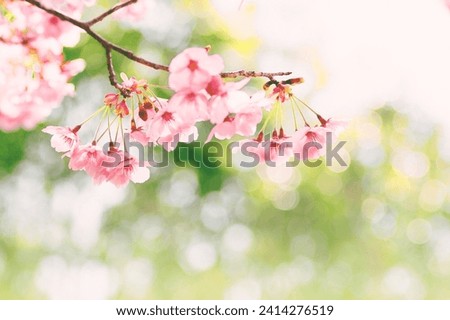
33,74
200,95
306,142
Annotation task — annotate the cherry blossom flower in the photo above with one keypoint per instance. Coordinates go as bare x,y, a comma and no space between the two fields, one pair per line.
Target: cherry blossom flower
245,114
87,157
191,106
185,134
27,100
111,99
129,169
333,126
224,130
63,139
193,69
165,123
309,142
243,123
225,98
137,134
281,92
133,85
121,109
167,128
33,74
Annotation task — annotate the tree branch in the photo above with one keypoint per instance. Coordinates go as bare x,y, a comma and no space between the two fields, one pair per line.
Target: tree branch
112,74
253,74
105,43
110,12
109,46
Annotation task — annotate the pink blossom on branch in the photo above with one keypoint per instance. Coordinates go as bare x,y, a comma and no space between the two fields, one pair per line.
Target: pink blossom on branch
193,69
33,74
225,97
200,95
164,123
35,79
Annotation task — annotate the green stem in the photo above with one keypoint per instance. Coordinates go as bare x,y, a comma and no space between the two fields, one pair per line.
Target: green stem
93,115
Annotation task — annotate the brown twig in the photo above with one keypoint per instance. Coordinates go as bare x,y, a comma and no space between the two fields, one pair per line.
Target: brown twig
110,12
253,74
112,74
109,46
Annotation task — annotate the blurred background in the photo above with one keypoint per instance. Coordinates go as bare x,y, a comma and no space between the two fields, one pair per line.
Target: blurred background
377,229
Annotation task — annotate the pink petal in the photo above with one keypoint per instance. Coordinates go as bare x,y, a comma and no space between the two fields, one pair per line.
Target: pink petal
212,64
196,54
238,101
179,62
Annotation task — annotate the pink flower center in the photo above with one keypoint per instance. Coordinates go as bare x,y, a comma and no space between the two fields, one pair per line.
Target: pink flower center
214,87
191,97
228,119
53,20
69,141
311,135
193,65
127,164
167,116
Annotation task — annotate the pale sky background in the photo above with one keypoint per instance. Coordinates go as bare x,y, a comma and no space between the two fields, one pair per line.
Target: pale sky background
355,54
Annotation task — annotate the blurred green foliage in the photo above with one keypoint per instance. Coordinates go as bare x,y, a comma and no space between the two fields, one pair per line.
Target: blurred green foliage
12,150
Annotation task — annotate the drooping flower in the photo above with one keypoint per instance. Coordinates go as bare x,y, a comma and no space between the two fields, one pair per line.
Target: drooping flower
121,109
63,139
333,126
132,85
128,169
309,142
88,158
138,134
111,99
185,134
